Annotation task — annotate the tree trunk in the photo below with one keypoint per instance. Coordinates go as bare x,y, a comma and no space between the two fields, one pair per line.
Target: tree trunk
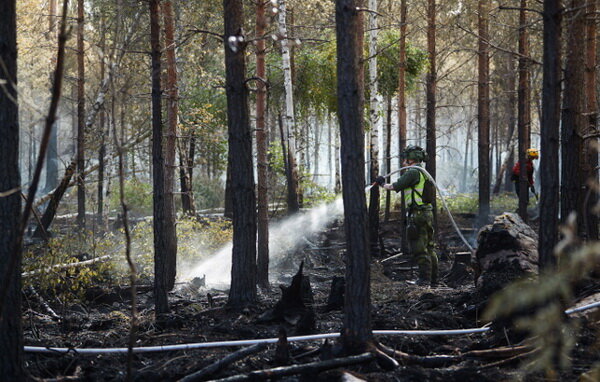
262,148
549,175
402,116
431,97
357,317
169,227
50,211
52,160
509,107
589,156
161,245
103,134
374,131
288,119
573,120
80,118
243,269
483,115
524,109
11,335
388,155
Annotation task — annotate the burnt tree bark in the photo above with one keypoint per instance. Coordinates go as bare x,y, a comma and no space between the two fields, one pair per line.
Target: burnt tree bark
431,85
483,114
402,116
80,117
573,120
243,268
262,147
11,335
589,156
169,226
161,245
357,317
524,109
57,195
549,173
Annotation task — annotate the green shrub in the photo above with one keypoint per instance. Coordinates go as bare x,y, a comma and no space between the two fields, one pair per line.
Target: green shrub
138,197
208,193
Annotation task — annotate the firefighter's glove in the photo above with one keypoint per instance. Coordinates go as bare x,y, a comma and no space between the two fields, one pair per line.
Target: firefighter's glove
380,181
533,189
388,187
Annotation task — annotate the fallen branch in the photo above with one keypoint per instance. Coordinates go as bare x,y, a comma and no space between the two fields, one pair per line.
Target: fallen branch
222,363
43,302
444,360
311,367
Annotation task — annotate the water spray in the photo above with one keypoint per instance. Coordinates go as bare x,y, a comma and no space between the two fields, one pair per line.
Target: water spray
428,175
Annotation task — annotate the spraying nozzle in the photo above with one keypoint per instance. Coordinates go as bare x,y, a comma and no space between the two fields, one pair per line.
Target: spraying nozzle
380,181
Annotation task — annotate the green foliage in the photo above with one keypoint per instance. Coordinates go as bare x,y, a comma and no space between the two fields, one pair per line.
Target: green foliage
138,197
65,284
316,79
208,193
537,306
196,241
388,62
469,203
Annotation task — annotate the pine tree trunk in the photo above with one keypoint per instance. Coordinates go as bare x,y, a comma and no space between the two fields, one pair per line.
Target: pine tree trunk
289,119
431,96
11,335
243,269
172,119
589,157
549,175
524,109
483,114
357,317
161,246
402,115
573,120
388,155
80,118
262,148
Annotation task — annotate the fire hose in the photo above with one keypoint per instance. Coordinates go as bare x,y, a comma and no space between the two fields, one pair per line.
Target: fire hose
428,175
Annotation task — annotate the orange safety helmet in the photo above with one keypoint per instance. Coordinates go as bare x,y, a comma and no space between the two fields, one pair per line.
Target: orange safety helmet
533,153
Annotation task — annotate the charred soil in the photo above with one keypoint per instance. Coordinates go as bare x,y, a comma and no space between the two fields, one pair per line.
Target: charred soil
201,315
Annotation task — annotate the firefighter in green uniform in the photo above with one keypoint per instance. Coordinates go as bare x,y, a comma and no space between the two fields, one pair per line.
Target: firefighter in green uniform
418,200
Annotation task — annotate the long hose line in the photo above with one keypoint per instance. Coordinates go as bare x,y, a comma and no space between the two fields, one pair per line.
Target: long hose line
428,175
204,345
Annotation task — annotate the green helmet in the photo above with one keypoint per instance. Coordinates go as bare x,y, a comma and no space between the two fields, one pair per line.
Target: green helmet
415,153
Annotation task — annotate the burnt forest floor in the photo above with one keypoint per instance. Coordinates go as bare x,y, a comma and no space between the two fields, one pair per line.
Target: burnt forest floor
396,304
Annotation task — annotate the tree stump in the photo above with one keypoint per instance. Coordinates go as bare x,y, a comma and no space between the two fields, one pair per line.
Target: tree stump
295,306
506,251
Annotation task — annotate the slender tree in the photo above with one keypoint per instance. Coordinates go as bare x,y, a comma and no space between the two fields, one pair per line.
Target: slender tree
262,148
549,175
289,122
161,246
80,117
524,108
357,311
483,113
374,106
11,336
573,120
589,156
171,135
431,86
243,269
402,116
